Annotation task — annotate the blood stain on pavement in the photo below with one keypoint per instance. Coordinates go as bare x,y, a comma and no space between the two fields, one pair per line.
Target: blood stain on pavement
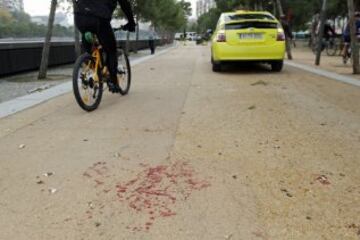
155,191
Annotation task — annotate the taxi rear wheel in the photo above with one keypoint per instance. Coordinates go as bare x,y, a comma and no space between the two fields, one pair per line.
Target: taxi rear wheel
216,66
277,66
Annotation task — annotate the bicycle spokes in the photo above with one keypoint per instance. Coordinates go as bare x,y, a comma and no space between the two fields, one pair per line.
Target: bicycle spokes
86,84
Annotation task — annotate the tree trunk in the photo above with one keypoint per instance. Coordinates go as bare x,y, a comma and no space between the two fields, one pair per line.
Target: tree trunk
127,44
46,48
279,7
287,40
77,43
274,7
321,32
137,34
77,37
354,45
260,5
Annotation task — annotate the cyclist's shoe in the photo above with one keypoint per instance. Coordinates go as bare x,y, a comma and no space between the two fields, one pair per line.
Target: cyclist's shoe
113,87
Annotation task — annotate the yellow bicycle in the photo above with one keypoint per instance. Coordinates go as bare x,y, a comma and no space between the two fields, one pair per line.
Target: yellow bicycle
90,73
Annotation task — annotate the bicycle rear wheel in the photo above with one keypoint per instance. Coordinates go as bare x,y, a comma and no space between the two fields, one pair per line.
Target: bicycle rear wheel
331,48
88,92
124,73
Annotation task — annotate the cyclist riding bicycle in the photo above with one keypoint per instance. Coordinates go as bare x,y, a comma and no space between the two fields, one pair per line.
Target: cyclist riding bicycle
346,35
95,16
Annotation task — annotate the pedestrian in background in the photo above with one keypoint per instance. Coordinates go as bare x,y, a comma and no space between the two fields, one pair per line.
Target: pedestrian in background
152,42
288,34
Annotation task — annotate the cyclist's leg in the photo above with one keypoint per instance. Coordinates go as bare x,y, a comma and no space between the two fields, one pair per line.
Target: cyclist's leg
347,41
107,40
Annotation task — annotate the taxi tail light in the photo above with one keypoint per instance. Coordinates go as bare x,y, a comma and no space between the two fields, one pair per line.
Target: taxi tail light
221,37
280,36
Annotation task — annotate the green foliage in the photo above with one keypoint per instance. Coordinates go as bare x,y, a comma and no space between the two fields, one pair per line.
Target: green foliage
208,20
300,12
165,15
19,25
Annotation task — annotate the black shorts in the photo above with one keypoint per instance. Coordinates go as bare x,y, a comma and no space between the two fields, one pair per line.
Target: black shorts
86,23
347,39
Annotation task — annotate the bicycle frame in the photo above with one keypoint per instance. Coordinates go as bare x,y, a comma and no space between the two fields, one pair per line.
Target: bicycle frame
98,63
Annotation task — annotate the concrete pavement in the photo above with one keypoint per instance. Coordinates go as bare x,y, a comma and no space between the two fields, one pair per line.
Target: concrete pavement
189,154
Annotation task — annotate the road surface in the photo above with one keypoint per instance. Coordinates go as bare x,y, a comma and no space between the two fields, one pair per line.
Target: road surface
189,154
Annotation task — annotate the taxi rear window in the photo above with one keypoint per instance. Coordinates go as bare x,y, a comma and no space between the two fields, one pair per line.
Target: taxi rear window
245,25
239,17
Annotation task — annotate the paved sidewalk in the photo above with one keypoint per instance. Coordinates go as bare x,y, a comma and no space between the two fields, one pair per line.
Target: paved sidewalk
334,64
27,83
189,154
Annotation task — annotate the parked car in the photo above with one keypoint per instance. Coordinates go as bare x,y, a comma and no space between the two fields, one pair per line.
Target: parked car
248,36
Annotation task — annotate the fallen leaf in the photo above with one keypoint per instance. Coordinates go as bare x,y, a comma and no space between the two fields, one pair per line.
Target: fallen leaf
261,82
228,237
52,190
48,174
323,180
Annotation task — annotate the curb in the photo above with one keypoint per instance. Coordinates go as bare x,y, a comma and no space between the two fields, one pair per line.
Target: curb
325,73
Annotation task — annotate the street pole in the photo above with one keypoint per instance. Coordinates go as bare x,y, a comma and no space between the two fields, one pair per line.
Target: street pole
321,32
353,30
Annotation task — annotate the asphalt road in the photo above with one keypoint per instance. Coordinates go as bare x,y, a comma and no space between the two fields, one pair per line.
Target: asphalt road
189,154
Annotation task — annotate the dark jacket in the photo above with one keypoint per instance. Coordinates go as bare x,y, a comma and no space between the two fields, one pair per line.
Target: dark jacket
287,29
329,31
103,8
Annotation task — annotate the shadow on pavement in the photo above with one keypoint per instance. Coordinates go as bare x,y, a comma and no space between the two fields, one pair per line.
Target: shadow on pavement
248,68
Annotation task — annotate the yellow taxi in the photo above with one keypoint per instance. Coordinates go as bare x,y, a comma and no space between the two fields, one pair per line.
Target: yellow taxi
248,36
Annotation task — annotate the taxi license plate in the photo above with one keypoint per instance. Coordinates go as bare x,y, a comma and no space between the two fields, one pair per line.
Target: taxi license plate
246,36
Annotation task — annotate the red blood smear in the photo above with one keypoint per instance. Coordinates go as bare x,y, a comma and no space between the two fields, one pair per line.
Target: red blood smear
167,214
122,190
154,191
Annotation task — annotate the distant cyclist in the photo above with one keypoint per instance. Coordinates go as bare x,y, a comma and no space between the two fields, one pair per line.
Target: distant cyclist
95,16
329,31
347,38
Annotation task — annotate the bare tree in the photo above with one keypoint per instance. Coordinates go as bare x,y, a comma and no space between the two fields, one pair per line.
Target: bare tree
137,34
76,34
46,48
353,30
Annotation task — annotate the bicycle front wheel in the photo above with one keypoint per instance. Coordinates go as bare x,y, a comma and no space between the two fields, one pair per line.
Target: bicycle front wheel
87,86
124,72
